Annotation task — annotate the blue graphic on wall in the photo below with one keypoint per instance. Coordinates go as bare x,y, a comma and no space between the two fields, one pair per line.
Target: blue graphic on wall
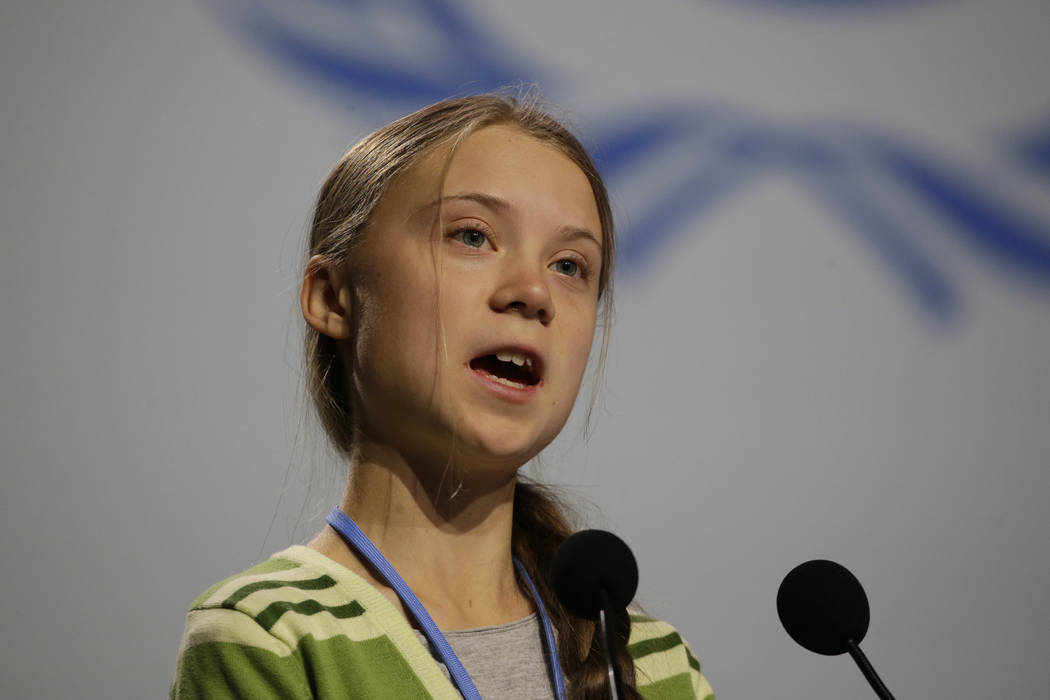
381,54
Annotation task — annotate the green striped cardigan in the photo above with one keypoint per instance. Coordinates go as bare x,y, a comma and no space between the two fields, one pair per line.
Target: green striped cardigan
302,626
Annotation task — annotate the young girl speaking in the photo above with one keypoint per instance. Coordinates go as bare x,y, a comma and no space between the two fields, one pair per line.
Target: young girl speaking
457,261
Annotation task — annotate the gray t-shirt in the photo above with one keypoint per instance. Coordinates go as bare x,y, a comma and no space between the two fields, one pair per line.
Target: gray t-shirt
506,662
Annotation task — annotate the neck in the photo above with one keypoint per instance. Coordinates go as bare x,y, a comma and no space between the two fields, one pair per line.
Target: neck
449,540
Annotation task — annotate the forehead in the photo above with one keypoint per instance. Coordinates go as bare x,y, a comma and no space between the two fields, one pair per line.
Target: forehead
506,163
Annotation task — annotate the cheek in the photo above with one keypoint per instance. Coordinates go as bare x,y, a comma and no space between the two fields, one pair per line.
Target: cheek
576,349
583,334
397,326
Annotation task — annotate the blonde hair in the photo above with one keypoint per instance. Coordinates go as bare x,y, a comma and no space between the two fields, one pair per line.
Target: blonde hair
344,207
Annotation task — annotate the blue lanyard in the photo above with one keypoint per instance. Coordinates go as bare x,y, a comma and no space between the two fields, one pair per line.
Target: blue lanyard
356,538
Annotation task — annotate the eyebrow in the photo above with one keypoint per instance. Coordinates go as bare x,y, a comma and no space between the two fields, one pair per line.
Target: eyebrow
498,204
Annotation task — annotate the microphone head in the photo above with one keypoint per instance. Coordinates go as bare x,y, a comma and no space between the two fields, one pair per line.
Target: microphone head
823,606
587,563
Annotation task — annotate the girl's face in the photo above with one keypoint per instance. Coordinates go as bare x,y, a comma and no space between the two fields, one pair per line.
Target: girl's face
470,335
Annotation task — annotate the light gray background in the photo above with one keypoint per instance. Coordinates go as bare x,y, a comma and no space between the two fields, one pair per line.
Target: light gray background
772,394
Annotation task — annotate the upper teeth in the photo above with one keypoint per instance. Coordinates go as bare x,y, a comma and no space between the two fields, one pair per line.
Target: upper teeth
520,359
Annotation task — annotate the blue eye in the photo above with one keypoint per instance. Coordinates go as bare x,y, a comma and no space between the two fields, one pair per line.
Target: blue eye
567,267
470,237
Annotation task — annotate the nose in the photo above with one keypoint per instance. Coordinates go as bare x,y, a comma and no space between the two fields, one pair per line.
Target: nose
525,291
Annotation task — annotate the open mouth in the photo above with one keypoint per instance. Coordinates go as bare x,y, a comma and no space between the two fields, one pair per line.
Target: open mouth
510,367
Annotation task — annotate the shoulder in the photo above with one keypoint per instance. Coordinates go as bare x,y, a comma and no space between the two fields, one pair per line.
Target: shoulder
229,648
279,600
664,665
293,623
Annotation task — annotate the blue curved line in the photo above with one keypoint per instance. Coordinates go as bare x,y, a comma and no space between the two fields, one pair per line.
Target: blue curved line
775,147
657,224
377,78
874,221
984,223
358,73
346,71
619,148
619,152
466,38
746,153
473,43
829,177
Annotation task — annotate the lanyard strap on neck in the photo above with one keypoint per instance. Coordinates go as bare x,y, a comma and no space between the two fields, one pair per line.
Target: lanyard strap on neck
553,662
356,538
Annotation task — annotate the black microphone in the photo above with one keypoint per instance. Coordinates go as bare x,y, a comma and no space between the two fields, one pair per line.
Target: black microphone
823,607
595,577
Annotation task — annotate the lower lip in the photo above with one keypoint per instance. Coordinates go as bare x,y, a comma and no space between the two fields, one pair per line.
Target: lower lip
507,393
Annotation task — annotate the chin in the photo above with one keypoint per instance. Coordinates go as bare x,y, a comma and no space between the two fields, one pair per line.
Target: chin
501,449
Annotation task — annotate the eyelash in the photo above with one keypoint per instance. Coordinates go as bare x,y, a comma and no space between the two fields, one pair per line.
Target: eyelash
582,268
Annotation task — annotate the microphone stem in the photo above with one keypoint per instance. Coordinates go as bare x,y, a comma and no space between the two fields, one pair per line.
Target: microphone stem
868,670
606,632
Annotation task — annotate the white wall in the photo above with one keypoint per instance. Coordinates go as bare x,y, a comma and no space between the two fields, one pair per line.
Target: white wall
774,392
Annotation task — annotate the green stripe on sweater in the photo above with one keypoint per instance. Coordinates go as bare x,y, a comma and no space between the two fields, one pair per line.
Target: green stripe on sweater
269,616
652,646
312,584
693,662
270,566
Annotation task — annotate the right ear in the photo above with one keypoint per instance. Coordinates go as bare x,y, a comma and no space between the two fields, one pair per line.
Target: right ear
326,299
